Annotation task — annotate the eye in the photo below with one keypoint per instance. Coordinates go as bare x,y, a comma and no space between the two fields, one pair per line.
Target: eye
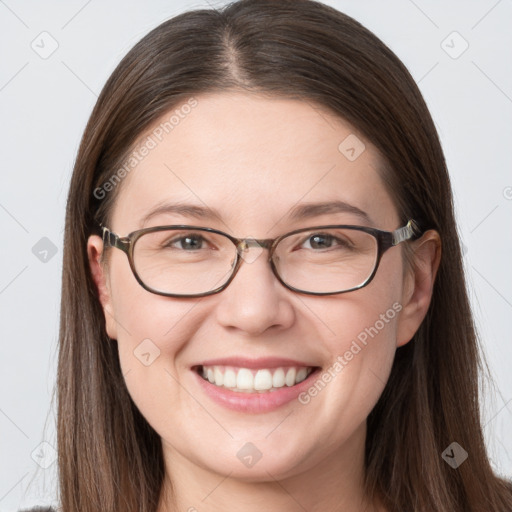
324,241
186,242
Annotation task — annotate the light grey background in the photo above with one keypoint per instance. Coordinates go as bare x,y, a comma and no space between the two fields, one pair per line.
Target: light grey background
44,106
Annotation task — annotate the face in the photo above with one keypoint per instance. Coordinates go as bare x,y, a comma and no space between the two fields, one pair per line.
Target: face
254,160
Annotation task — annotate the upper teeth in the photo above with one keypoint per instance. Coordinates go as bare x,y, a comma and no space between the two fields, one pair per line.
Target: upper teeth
244,379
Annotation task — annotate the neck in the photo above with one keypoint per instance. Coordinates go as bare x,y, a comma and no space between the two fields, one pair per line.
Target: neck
336,484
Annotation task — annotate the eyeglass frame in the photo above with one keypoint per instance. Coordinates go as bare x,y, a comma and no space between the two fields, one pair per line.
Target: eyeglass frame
385,240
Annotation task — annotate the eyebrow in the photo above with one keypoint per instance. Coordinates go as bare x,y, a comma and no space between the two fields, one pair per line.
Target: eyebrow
184,209
306,210
298,212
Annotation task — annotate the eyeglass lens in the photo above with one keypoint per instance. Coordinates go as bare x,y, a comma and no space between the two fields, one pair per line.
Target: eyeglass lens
194,261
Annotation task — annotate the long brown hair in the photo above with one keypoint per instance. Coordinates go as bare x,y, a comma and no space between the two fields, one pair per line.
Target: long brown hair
110,459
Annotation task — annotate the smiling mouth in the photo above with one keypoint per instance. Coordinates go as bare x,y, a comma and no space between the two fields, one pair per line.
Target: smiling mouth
245,380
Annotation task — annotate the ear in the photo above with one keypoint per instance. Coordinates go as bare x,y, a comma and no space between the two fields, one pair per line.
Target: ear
101,279
418,285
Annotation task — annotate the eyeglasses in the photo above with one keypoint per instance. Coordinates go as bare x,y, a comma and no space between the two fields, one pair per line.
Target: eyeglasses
191,261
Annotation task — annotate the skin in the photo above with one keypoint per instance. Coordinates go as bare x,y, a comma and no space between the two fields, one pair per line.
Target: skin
232,153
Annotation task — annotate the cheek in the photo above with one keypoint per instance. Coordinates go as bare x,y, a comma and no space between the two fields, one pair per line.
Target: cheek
366,314
362,347
361,342
152,332
141,315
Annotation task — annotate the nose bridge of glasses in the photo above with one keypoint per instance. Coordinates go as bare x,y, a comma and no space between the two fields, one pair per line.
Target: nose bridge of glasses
245,243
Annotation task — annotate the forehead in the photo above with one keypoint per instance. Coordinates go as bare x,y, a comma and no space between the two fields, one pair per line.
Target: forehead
245,155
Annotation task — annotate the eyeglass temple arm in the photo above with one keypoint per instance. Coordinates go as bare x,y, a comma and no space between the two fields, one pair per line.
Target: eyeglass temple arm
112,240
410,230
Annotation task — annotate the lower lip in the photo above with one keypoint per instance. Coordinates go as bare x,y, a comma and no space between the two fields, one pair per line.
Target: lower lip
254,402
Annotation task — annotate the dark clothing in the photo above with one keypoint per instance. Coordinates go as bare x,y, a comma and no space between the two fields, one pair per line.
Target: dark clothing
39,509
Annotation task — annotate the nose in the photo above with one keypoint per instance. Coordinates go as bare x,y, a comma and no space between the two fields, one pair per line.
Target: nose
255,300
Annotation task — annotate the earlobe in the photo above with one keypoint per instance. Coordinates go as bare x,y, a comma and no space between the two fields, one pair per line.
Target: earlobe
100,278
419,285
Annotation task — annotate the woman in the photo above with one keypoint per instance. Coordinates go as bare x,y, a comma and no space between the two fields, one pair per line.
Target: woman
288,327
